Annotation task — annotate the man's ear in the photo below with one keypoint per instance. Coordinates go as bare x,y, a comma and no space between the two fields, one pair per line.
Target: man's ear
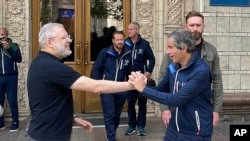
184,49
49,43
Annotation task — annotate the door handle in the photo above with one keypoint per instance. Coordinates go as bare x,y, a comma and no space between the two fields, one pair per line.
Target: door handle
86,53
78,45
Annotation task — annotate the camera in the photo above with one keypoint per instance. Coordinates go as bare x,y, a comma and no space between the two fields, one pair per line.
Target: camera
2,37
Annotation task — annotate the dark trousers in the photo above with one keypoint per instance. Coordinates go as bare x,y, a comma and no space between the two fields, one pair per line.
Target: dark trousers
112,105
132,98
8,86
29,138
173,135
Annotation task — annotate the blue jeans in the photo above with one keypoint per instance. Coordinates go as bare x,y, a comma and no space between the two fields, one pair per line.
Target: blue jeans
8,86
132,98
112,105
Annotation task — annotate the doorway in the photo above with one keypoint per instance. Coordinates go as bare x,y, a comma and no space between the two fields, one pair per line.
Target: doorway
84,21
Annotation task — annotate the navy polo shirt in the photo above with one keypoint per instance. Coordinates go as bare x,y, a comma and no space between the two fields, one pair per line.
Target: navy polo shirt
50,98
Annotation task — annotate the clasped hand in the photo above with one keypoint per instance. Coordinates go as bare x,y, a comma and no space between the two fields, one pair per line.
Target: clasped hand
138,80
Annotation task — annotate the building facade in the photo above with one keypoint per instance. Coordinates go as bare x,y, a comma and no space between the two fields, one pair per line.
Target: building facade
227,28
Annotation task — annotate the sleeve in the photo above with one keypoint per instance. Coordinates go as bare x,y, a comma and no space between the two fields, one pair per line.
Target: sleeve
98,67
15,52
63,75
217,90
192,88
162,73
151,58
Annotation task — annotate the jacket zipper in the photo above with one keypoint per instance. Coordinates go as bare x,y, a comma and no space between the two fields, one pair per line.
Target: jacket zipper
197,122
174,91
2,53
119,64
176,83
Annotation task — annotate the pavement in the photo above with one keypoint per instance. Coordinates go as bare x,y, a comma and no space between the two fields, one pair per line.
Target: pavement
154,129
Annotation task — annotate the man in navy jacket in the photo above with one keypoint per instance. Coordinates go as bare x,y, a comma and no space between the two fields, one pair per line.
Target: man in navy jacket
186,87
141,54
10,56
113,63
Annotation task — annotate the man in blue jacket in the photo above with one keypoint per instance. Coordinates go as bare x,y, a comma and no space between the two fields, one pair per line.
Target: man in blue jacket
10,56
113,63
141,54
186,87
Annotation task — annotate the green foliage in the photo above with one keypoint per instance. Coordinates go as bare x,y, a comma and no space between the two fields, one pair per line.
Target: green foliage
103,9
46,11
99,9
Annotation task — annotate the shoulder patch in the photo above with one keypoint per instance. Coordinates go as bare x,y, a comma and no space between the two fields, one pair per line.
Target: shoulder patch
171,68
128,43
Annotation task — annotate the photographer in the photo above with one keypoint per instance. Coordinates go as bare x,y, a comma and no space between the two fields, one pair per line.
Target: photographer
10,56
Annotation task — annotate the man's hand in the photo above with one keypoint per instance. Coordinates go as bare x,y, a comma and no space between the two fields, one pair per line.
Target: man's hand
216,118
5,44
147,74
166,116
84,124
138,80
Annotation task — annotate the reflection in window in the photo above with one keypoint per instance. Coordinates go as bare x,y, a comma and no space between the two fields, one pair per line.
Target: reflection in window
106,17
60,11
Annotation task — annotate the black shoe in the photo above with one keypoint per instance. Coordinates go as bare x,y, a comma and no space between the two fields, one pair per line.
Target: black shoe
14,127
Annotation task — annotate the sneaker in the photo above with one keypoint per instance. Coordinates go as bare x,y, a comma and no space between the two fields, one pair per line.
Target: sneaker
141,132
130,131
14,127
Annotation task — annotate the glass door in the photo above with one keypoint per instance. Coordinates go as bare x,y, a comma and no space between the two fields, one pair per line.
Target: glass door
85,21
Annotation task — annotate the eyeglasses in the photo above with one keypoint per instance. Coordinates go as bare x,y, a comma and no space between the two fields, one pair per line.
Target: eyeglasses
67,37
64,37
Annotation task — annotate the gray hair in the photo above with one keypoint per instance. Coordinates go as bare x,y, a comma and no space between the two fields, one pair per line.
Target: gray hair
5,30
136,24
183,37
47,31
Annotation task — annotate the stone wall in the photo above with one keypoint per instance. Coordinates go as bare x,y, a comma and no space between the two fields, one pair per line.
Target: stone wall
15,15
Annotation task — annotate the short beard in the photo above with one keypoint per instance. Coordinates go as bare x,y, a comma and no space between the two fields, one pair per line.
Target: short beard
62,51
197,35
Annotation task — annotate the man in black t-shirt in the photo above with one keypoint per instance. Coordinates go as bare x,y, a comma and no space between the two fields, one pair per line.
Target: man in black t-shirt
50,83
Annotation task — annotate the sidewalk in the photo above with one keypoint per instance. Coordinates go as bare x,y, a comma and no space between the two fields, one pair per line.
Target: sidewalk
154,130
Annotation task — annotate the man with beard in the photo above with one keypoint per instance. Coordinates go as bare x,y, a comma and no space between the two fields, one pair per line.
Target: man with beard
195,24
113,63
50,83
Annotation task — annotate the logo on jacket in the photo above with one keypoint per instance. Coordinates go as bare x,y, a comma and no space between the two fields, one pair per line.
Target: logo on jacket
126,62
171,68
140,51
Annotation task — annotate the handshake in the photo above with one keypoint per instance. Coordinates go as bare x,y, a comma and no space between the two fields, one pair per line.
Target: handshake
138,80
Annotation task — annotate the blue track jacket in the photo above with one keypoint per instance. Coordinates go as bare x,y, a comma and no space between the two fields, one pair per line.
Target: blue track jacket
189,95
110,65
141,52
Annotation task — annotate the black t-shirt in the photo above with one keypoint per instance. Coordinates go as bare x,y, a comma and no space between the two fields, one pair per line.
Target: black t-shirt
198,48
50,98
